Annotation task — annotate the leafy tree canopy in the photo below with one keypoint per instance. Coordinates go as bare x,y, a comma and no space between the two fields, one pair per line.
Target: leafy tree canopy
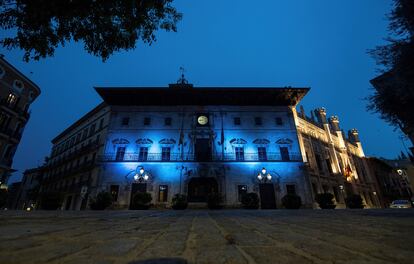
393,97
104,26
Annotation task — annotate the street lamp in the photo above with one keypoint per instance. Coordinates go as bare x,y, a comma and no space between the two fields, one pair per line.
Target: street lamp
264,176
140,174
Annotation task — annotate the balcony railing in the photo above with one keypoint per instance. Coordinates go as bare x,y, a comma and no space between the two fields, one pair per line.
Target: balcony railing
227,157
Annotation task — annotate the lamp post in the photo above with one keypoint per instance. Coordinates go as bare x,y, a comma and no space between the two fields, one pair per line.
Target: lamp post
264,176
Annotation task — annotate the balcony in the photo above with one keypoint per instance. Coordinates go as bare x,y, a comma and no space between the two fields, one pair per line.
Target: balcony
227,157
15,108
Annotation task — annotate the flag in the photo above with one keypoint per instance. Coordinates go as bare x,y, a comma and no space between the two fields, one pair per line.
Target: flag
222,136
348,171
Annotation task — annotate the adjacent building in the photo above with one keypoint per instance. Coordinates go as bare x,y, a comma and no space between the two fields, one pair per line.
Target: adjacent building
198,141
17,92
27,194
394,178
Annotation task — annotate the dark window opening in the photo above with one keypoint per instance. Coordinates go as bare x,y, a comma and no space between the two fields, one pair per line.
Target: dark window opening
284,152
147,121
125,121
120,153
239,153
318,162
262,153
166,152
279,121
237,121
258,121
329,165
143,154
168,121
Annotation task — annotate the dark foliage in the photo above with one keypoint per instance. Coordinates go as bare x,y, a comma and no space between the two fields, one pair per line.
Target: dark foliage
291,201
179,202
250,201
51,201
394,94
104,26
3,197
141,201
325,200
102,201
214,201
354,202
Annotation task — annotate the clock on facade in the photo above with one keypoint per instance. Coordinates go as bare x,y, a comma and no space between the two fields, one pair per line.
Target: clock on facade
202,120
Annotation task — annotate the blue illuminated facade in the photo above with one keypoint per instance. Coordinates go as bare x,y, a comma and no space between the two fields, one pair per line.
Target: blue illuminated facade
202,148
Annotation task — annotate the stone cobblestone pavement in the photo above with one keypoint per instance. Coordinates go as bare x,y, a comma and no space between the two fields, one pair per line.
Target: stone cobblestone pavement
202,236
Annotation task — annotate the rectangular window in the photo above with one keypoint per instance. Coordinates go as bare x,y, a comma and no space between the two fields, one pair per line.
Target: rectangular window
120,153
258,121
290,189
85,133
163,193
237,121
262,153
147,121
242,190
279,121
125,121
239,153
11,100
143,154
166,153
78,137
114,192
101,123
168,121
92,129
318,162
329,165
284,152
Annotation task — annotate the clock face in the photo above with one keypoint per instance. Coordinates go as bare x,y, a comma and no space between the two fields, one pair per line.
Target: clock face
202,120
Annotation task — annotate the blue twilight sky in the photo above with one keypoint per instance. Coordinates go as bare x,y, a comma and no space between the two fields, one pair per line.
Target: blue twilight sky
317,43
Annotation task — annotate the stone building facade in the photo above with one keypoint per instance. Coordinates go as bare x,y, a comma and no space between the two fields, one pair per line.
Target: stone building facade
17,92
27,196
72,167
336,163
194,141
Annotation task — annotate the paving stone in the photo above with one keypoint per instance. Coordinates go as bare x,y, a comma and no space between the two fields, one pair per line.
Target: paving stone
202,236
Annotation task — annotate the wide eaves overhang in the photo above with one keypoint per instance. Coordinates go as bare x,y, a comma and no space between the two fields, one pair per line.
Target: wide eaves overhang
238,96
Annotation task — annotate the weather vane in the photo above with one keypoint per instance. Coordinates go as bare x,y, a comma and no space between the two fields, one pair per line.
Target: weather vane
182,79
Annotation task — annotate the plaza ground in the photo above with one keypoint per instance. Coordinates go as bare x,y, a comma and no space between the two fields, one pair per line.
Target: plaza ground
203,236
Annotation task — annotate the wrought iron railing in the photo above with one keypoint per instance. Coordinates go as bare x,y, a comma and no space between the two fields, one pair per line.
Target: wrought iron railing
135,157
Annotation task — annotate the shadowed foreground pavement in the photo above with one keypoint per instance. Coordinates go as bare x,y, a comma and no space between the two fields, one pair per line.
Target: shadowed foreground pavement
201,236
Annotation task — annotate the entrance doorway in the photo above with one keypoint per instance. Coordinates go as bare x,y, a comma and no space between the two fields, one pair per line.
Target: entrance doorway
203,149
200,188
267,196
136,187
